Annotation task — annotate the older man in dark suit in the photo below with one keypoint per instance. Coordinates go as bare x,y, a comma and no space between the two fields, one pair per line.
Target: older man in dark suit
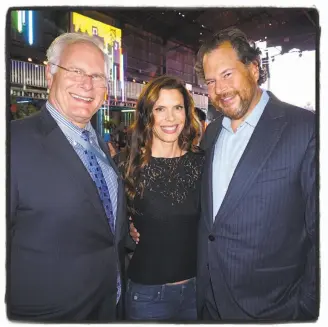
67,210
257,245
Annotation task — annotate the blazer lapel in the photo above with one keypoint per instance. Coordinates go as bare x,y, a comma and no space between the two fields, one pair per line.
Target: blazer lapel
264,138
120,191
58,147
207,180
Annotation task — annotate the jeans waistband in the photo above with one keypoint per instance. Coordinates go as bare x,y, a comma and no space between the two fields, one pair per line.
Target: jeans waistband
191,281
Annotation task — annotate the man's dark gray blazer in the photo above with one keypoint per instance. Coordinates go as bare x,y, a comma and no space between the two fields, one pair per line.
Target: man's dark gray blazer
261,251
63,257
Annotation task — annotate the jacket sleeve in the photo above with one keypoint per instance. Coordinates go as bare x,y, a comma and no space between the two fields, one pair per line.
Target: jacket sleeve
309,301
13,177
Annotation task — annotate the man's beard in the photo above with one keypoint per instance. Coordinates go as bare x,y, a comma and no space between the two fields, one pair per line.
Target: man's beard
234,113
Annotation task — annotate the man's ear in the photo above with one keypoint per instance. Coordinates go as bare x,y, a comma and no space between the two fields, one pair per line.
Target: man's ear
49,76
255,70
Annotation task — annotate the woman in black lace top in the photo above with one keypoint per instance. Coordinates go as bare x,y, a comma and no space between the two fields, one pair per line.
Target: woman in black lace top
162,170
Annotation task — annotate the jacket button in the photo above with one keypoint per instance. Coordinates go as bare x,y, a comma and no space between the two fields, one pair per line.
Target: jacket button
211,238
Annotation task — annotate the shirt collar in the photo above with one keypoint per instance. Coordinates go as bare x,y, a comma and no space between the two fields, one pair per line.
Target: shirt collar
60,119
254,116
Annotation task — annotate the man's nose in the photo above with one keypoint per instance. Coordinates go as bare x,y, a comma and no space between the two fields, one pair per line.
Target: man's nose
220,87
87,82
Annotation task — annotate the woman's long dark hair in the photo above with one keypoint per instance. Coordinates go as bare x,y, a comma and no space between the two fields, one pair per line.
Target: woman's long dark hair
140,134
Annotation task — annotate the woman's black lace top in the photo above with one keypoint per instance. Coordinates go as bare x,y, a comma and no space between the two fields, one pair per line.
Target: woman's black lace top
166,215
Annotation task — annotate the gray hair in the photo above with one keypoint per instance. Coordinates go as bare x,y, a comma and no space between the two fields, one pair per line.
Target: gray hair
57,47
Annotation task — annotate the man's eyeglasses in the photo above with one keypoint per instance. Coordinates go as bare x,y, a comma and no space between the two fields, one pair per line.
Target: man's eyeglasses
78,75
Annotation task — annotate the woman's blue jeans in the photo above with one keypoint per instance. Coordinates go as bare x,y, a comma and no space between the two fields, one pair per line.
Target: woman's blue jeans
161,302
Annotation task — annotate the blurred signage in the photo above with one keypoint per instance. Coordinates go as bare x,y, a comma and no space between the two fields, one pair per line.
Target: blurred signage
109,35
129,104
35,94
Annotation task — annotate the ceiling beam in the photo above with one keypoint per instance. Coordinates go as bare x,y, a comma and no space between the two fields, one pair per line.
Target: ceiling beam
175,30
309,17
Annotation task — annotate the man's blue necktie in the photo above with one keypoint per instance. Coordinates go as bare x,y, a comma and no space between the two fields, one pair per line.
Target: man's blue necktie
98,177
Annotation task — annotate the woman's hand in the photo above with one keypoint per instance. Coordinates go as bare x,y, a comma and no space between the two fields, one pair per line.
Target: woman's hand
133,232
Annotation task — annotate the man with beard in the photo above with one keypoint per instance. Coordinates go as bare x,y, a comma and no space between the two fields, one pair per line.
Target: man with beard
257,241
257,237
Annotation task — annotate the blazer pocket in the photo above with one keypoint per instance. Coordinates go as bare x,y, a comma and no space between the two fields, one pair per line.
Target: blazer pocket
267,175
277,269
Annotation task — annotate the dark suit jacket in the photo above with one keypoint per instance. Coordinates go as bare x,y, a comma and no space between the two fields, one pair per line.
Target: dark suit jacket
262,256
63,257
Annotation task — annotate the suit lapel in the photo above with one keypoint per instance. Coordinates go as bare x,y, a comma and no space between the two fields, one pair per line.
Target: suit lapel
207,180
264,138
59,149
120,191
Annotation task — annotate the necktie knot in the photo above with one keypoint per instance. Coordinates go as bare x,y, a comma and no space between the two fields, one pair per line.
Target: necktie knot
86,135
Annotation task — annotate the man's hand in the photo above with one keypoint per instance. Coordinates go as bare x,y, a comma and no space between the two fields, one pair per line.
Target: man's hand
133,232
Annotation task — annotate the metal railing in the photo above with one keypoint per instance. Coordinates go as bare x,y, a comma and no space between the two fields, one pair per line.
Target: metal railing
28,74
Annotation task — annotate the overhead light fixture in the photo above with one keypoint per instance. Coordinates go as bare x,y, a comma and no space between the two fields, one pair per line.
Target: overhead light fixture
128,110
23,17
133,80
201,33
45,62
265,38
270,24
183,15
30,27
115,78
19,21
122,74
29,59
203,26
